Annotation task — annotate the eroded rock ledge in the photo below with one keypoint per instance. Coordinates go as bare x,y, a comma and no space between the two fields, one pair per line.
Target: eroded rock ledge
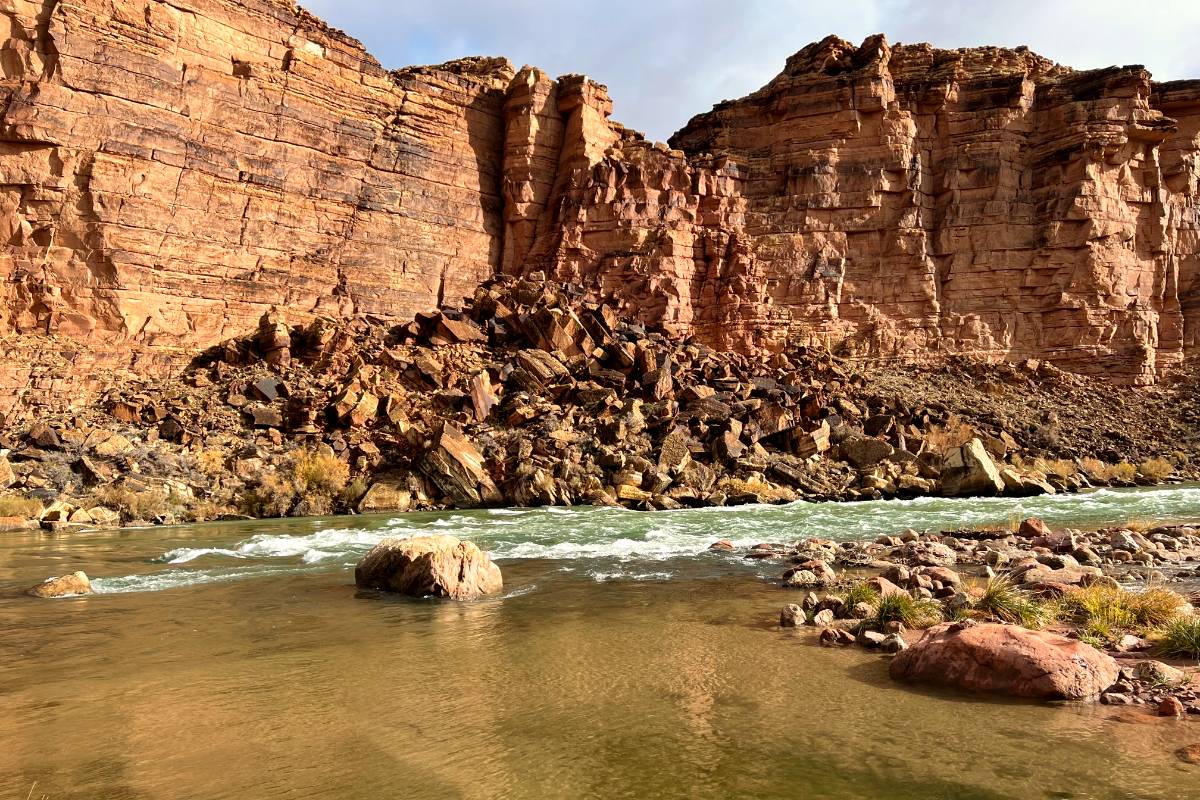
169,172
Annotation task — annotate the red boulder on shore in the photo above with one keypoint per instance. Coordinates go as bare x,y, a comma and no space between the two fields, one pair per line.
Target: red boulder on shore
1033,527
1006,659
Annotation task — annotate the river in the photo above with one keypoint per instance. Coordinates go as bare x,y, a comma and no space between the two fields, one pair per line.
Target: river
236,660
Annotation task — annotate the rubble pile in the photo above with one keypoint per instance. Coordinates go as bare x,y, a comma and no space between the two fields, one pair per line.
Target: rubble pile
531,394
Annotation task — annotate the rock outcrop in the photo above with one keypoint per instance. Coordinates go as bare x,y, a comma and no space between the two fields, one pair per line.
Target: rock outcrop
1007,659
169,172
76,583
425,566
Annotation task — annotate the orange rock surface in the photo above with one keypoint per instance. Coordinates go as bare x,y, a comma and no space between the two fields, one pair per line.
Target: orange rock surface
171,172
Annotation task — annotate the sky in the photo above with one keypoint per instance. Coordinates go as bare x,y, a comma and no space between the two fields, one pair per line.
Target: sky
666,61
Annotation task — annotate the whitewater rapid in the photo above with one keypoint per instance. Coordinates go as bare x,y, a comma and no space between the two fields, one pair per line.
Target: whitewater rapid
614,543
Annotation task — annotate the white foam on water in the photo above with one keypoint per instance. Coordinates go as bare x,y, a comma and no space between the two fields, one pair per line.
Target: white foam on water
326,543
599,576
623,536
179,578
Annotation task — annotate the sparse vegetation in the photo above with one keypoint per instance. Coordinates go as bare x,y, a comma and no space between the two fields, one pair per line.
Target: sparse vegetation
1180,638
15,505
859,592
1103,611
308,484
955,433
144,504
1003,601
211,461
353,492
904,608
1156,469
205,511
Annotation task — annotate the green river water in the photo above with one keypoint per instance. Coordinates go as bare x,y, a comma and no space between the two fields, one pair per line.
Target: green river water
237,660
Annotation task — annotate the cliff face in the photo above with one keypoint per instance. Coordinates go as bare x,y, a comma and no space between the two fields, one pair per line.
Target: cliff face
902,202
169,172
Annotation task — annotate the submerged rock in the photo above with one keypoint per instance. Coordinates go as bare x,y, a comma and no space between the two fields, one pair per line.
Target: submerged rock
65,586
423,566
1008,660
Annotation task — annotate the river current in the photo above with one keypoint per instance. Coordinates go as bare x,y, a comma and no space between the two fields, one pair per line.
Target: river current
623,660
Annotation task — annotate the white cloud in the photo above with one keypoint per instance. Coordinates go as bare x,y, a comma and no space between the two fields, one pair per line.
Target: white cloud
665,61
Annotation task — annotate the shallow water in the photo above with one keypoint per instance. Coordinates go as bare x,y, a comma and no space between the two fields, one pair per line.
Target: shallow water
623,660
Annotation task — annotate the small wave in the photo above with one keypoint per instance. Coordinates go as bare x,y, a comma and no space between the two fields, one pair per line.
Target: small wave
183,555
599,576
177,578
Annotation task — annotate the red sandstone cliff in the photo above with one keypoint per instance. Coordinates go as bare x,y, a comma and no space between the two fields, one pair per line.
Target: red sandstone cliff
168,172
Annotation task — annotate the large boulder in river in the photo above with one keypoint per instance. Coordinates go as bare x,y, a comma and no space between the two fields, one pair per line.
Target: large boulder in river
65,586
441,566
969,470
1006,659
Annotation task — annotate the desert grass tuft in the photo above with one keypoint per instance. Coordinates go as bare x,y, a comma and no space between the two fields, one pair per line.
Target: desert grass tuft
1003,601
905,609
859,592
1180,638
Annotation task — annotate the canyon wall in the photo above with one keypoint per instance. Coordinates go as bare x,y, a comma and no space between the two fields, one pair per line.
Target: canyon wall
170,172
907,201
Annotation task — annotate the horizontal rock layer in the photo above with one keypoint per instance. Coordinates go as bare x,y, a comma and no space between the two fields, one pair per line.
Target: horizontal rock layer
169,172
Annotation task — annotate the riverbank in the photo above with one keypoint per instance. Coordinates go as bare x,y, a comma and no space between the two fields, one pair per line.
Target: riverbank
531,396
622,658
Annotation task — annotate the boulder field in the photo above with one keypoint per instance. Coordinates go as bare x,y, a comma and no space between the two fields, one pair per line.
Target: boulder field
532,394
171,171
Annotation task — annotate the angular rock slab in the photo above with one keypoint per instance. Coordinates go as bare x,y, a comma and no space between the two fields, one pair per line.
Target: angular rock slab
1006,659
424,566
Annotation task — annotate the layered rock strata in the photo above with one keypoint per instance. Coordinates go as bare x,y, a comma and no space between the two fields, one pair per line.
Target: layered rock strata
169,172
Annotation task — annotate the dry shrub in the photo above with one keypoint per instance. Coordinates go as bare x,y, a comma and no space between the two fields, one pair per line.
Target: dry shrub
307,484
955,433
318,473
1097,470
146,504
211,461
273,497
1156,468
205,511
15,505
1122,472
1062,467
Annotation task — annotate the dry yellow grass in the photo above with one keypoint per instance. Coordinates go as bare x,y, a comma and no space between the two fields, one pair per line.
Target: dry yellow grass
15,505
211,461
136,505
1156,468
955,433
